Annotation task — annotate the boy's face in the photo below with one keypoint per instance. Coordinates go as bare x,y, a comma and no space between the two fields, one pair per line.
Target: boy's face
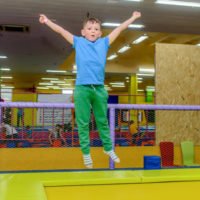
91,31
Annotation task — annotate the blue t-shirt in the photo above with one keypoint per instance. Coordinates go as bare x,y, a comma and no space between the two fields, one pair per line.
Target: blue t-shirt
90,60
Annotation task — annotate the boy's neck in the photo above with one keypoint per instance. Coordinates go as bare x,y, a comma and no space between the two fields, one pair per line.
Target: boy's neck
90,40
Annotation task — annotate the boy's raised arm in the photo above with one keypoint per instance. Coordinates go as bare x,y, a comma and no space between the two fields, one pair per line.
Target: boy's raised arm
66,34
115,33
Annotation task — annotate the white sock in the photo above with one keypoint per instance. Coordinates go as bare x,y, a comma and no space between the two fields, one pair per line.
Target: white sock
88,161
113,156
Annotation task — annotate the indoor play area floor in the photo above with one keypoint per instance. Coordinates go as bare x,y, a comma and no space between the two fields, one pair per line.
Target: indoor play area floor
102,185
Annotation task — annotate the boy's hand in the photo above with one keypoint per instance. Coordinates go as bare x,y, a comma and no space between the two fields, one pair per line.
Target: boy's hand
43,19
136,14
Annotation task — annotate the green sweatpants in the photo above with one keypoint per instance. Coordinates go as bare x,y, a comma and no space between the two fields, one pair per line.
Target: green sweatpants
85,98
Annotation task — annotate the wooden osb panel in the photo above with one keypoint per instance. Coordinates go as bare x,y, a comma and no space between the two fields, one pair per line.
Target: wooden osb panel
177,83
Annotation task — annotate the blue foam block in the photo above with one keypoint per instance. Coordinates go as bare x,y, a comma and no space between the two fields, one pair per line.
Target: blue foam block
152,162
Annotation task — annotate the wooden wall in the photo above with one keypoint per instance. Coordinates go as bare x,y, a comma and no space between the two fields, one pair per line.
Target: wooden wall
177,83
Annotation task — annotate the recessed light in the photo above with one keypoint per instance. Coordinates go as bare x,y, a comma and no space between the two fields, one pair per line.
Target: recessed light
139,74
49,79
140,39
140,90
117,24
3,57
147,70
42,88
67,91
58,82
6,77
56,71
5,69
124,48
116,83
119,86
134,0
45,83
178,3
111,57
8,87
64,84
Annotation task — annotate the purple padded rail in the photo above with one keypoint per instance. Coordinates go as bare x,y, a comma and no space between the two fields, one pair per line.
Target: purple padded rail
115,106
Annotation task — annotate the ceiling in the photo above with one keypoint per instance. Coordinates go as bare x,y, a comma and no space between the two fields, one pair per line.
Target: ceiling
31,53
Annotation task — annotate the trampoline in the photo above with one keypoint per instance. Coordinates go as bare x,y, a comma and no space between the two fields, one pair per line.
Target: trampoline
110,184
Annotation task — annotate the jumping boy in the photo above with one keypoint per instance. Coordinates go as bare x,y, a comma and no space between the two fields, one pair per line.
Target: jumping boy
91,51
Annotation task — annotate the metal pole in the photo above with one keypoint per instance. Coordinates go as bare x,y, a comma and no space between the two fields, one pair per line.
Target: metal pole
112,133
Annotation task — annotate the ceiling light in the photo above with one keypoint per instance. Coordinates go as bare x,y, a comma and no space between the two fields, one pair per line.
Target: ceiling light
140,90
111,57
147,70
117,83
139,78
150,87
6,77
123,49
121,86
64,84
74,67
56,71
139,81
42,88
178,3
3,57
139,74
45,83
74,71
140,39
5,69
58,82
136,26
67,88
54,87
7,87
69,79
117,24
134,0
49,79
67,91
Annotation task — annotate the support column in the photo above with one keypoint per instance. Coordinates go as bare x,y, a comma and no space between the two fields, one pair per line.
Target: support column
133,89
133,98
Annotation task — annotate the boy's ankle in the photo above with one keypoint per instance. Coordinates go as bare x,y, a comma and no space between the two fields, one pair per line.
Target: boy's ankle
87,161
112,155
